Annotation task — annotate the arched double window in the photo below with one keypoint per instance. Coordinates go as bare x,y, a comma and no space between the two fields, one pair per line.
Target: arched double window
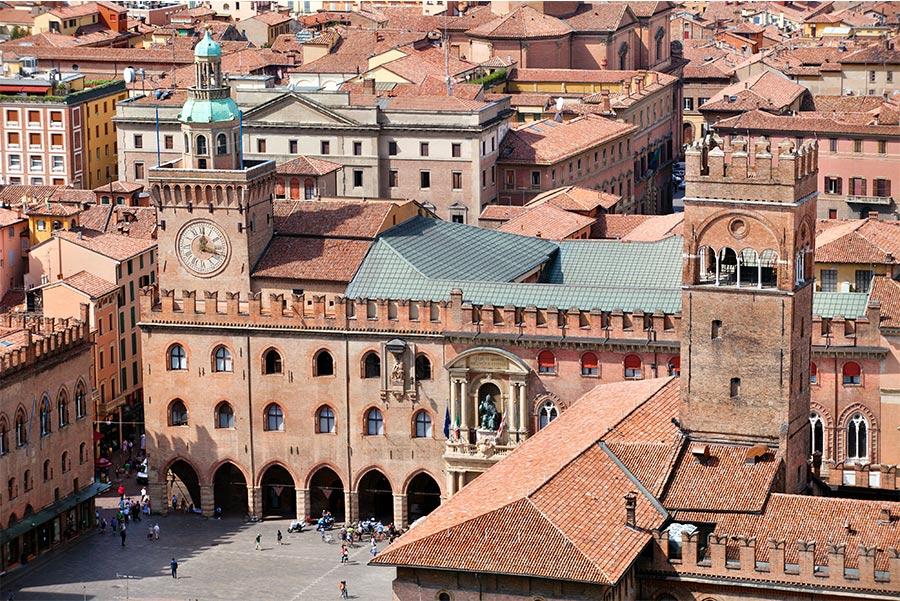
374,422
423,367
274,418
178,413
21,430
221,144
222,359
62,409
80,401
817,434
46,421
371,365
177,357
272,362
323,365
633,369
325,420
4,436
548,414
224,415
422,424
857,438
851,374
546,363
590,366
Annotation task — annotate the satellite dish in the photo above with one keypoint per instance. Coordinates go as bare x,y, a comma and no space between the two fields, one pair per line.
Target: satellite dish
559,103
128,74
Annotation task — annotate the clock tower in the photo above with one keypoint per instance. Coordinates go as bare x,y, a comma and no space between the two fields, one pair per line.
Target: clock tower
214,208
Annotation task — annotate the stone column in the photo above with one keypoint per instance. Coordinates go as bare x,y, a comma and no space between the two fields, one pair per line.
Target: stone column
351,506
512,410
464,409
207,500
302,503
523,412
400,515
450,489
454,402
159,497
254,500
460,480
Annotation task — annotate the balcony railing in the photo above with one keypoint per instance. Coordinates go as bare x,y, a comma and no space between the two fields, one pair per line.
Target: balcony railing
870,200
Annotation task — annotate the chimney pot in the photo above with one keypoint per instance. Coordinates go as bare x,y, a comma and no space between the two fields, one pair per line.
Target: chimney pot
873,215
631,509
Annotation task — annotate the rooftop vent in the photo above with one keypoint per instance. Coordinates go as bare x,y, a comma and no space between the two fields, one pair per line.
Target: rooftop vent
700,451
756,453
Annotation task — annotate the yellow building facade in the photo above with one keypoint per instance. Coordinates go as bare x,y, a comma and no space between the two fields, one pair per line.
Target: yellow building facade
101,166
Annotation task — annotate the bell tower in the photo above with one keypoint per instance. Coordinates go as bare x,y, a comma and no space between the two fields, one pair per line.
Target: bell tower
749,227
214,209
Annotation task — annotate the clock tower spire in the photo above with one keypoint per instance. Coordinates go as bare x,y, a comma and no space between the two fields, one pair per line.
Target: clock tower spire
214,209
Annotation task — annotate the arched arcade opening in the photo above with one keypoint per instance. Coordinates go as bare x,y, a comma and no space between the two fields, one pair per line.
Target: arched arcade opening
326,493
423,495
376,498
278,494
230,489
183,483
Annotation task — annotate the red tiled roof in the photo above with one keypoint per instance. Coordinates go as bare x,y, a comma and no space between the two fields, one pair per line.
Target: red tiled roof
12,16
808,122
577,198
887,292
432,103
418,65
859,241
500,212
114,246
656,228
332,219
9,217
89,284
308,258
271,18
600,16
521,24
547,141
546,221
13,194
303,165
768,90
648,8
613,226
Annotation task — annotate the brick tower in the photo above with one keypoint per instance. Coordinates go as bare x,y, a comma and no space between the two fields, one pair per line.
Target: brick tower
215,209
749,228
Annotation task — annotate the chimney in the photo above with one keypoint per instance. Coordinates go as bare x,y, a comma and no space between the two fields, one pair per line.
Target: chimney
369,86
873,215
604,101
631,510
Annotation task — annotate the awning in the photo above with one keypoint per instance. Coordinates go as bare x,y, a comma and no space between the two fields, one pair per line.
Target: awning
51,511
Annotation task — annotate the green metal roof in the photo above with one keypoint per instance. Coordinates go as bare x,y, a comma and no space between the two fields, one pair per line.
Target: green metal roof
840,304
207,47
424,259
28,523
197,110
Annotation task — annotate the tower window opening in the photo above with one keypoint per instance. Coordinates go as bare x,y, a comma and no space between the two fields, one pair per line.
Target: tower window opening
735,387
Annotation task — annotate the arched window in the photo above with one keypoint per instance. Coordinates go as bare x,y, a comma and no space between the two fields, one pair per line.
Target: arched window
623,57
325,420
735,387
423,367
813,373
660,39
82,453
728,267
222,359
224,415
590,366
323,364
187,143
64,462
221,144
768,268
45,417
374,422
80,401
272,362
177,357
444,596
852,374
274,418
673,366
633,370
548,414
817,436
28,481
48,472
4,436
422,422
371,365
178,414
21,430
11,490
546,363
857,438
201,145
62,409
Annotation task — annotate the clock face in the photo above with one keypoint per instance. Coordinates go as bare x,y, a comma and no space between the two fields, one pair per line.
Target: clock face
202,247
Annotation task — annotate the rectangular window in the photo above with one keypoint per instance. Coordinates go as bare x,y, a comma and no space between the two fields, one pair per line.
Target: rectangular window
857,145
424,180
863,280
483,178
56,119
324,147
833,185
701,101
688,104
12,139
890,76
857,186
832,213
138,141
882,146
457,218
456,150
292,146
12,116
138,171
535,179
392,149
872,76
168,142
882,187
829,280
832,144
423,149
260,145
34,140
357,178
134,372
392,178
100,357
457,180
34,117
36,162
357,149
57,163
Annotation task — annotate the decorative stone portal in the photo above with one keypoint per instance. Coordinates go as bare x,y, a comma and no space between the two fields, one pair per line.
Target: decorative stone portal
488,411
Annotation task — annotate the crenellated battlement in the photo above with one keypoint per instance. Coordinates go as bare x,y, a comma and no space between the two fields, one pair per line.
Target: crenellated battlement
802,562
715,171
301,311
37,339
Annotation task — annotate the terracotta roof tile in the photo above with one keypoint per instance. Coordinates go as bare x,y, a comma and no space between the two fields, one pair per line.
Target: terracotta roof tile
656,228
887,292
859,241
547,141
546,221
114,246
14,194
91,285
766,91
521,24
334,219
9,217
809,122
303,165
614,226
270,18
13,16
96,217
576,198
500,212
308,258
418,65
600,16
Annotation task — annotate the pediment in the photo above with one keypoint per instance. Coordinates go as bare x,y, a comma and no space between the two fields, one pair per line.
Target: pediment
292,107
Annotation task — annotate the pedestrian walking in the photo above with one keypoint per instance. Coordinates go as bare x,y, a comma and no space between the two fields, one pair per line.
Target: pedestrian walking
156,531
174,566
342,586
258,539
121,491
174,502
279,537
122,534
345,554
374,549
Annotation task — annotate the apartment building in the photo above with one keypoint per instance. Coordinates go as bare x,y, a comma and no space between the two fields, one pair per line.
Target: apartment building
14,246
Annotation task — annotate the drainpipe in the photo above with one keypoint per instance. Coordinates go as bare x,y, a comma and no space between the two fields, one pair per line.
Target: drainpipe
252,482
348,510
834,430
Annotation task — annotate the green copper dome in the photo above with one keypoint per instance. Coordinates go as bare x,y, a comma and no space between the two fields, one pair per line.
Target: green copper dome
197,110
207,47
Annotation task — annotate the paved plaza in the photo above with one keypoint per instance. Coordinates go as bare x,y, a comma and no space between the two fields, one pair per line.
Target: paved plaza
217,560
